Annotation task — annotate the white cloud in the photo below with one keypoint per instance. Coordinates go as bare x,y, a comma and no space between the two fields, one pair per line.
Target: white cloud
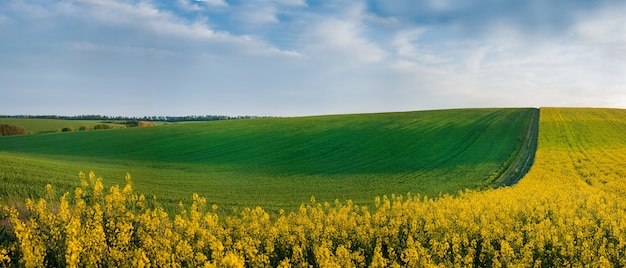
358,12
292,2
283,57
255,15
149,23
142,16
215,3
128,50
404,42
188,5
508,67
339,39
440,4
453,55
604,30
349,35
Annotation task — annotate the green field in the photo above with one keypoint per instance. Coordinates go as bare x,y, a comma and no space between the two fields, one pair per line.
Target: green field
281,162
39,126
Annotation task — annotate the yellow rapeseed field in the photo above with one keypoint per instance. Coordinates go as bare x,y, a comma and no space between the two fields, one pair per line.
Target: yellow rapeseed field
567,211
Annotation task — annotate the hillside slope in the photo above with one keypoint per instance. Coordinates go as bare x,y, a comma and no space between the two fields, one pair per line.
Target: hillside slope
568,211
283,161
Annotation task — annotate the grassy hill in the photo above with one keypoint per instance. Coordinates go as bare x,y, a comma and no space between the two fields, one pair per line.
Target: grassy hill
281,162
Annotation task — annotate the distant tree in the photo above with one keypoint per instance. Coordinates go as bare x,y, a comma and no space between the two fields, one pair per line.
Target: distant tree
8,130
102,126
132,123
68,129
105,118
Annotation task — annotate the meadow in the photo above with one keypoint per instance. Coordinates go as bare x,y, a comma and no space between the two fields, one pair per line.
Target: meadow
279,163
567,211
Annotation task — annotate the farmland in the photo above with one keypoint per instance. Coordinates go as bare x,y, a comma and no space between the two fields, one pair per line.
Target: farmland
567,211
279,163
40,126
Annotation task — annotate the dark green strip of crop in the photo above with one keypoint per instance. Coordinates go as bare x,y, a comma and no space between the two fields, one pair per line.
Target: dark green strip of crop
523,157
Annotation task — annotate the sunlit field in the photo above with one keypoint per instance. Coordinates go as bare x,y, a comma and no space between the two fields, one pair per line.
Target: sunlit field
279,163
567,211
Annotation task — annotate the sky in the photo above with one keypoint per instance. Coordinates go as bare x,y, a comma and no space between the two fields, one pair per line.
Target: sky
301,57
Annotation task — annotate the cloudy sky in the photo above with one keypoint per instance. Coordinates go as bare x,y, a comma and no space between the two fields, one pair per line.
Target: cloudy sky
300,57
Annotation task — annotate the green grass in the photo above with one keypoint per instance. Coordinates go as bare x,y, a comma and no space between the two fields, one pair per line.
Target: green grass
39,126
279,162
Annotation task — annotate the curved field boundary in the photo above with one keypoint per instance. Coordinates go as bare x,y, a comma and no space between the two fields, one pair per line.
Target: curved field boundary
525,156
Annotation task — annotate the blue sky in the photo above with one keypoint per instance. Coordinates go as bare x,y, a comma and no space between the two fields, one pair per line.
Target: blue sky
298,57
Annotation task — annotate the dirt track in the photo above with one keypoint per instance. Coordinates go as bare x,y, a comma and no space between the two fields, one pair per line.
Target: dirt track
525,157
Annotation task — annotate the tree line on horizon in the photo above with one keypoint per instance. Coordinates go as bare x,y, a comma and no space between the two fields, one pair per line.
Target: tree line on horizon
137,118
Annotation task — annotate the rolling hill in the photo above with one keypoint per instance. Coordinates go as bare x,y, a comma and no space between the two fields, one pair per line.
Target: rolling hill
282,162
567,211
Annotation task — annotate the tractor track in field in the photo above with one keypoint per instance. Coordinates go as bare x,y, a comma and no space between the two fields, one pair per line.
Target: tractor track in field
524,158
468,140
